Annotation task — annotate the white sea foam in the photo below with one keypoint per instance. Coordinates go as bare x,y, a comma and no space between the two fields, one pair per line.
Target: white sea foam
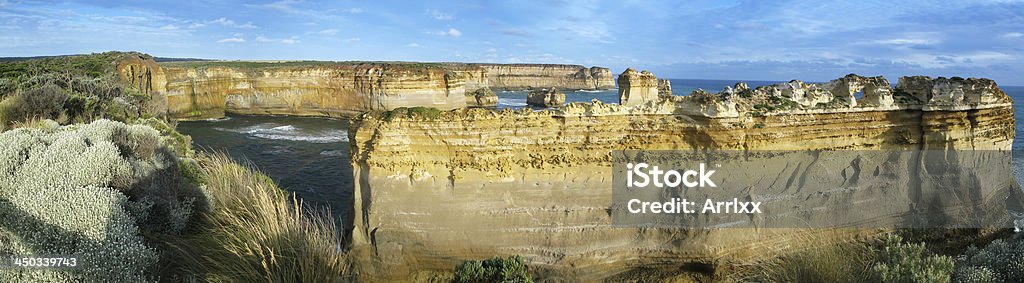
272,131
332,153
221,119
511,102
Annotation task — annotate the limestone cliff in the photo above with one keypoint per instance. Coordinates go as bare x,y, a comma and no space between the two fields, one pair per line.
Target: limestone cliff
196,90
142,72
432,191
637,88
527,76
326,89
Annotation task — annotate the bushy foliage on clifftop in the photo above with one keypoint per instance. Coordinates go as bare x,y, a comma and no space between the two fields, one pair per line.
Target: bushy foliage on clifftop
897,261
78,88
998,262
101,191
496,269
119,198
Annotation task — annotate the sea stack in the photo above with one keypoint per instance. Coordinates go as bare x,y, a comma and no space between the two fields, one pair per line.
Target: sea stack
637,88
482,97
664,88
550,97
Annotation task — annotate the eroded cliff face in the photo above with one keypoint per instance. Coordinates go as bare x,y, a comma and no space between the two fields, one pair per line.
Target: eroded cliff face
530,76
142,72
326,90
476,183
196,90
637,88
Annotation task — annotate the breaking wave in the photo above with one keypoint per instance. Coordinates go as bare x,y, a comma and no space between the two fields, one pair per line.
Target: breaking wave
288,132
511,102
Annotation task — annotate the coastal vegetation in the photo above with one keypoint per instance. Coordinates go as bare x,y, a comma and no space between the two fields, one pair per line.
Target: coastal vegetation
256,232
86,170
68,89
496,269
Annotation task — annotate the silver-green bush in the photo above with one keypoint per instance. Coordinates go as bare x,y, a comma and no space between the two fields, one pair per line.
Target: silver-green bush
998,262
909,262
89,190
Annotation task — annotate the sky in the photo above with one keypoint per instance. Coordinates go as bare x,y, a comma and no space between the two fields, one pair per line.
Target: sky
734,40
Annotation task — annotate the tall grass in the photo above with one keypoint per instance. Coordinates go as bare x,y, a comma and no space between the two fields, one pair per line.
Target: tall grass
845,262
254,234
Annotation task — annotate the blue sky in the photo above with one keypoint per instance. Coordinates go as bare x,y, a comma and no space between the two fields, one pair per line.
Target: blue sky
751,40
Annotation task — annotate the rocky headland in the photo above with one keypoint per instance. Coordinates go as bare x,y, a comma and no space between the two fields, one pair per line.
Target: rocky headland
474,183
208,89
530,76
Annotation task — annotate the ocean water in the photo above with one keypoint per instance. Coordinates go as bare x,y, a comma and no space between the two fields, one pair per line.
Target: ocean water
309,156
517,99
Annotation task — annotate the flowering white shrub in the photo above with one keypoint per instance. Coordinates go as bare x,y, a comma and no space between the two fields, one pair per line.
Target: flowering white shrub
86,190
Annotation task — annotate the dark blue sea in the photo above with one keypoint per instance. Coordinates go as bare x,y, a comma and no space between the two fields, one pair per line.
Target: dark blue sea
517,99
309,156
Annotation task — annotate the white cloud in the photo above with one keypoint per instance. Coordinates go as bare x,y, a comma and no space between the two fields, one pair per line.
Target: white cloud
230,23
352,39
232,40
292,7
914,38
328,32
196,25
414,44
441,16
905,41
1013,35
169,27
291,40
450,32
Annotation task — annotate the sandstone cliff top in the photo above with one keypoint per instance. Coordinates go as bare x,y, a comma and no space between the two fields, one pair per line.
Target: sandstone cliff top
851,93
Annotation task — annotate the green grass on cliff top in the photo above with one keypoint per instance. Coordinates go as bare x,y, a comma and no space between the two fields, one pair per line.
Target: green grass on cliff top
93,65
298,63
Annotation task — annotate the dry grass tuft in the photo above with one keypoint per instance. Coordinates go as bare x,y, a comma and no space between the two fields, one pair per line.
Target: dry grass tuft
255,234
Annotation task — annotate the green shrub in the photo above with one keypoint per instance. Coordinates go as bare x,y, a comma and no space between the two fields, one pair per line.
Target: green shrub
425,112
94,191
83,87
46,102
496,269
900,262
998,262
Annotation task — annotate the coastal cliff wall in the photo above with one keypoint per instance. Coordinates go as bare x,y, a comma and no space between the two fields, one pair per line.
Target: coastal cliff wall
197,90
327,90
470,184
530,76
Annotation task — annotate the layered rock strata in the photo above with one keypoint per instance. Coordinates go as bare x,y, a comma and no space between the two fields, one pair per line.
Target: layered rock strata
470,184
312,90
545,97
637,87
530,76
143,73
196,90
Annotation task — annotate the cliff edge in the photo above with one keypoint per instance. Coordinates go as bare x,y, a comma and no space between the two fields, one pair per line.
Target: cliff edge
467,184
